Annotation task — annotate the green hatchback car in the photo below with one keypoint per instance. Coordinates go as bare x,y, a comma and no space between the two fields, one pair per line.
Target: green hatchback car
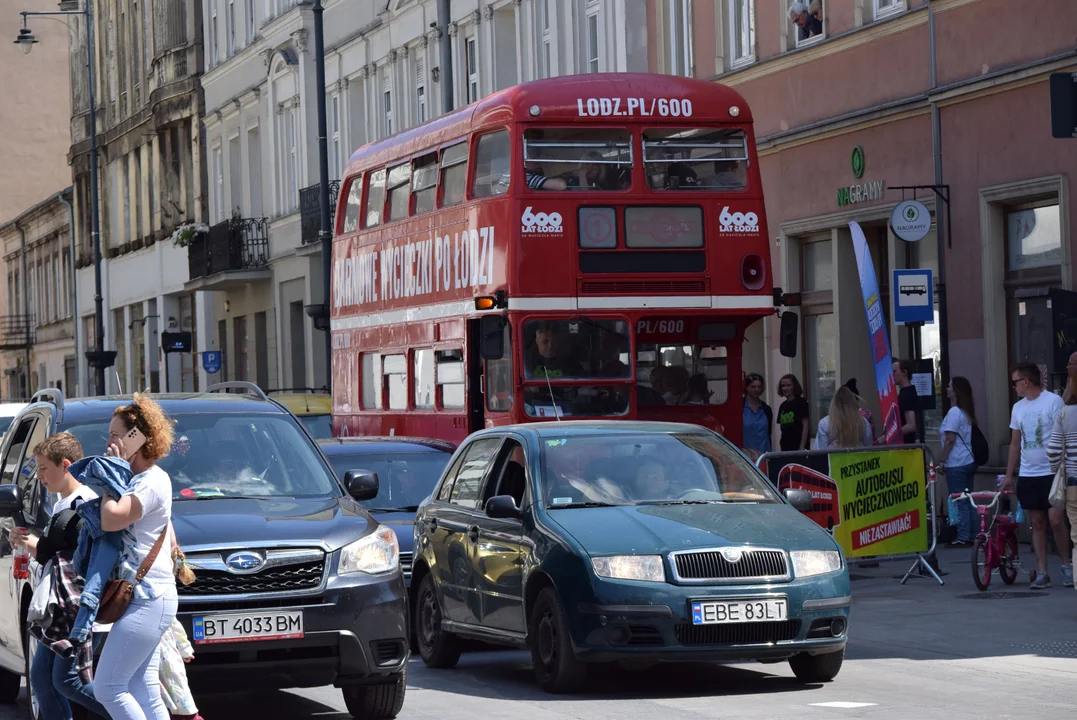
594,542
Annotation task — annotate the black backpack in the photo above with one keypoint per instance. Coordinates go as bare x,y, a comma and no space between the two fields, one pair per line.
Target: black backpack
980,450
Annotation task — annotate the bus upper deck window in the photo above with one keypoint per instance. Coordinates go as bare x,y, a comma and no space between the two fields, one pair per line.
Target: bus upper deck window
696,159
354,207
424,182
399,191
577,158
375,198
491,165
453,174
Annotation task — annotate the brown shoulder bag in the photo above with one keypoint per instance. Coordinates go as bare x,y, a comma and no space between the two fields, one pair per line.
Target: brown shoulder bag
118,593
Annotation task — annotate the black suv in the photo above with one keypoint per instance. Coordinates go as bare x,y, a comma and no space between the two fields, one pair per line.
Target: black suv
298,586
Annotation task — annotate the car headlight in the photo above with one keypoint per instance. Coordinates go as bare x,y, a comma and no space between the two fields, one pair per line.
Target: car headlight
814,562
376,553
648,568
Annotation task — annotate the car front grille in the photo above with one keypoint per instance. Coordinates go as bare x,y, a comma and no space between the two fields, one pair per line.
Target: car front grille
405,564
288,578
711,565
738,633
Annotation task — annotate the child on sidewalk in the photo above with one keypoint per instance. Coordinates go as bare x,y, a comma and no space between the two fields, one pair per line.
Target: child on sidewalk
54,680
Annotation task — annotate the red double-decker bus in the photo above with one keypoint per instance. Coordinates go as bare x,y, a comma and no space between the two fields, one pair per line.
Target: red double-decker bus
591,246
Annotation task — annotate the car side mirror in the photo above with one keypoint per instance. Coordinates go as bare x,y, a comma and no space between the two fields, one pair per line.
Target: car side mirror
361,484
799,499
10,504
502,507
788,337
491,344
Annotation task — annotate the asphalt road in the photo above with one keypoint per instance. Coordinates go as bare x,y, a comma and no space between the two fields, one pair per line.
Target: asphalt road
915,651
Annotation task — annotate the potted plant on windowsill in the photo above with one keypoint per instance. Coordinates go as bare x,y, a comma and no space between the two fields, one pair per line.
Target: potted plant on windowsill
186,233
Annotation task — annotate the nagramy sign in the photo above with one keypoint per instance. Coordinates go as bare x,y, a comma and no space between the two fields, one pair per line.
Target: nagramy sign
860,192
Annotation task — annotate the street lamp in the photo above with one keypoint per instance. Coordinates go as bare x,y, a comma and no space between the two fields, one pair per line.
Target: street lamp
99,358
324,234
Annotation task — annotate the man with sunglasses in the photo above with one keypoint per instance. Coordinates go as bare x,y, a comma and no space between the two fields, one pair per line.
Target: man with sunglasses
1031,422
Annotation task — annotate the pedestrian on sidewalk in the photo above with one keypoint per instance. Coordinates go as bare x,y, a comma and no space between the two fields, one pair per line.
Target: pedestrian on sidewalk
1062,448
758,417
1031,422
956,459
912,420
793,415
844,427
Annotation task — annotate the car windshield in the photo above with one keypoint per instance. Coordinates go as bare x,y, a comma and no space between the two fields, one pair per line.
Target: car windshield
320,427
404,479
232,455
648,469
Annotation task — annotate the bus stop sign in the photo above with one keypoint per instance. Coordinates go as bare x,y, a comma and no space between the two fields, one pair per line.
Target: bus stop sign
1064,105
914,296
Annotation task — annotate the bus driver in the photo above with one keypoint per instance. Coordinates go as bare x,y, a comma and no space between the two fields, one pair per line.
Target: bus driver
546,359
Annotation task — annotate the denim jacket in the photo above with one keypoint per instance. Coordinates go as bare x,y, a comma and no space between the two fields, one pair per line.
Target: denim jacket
98,551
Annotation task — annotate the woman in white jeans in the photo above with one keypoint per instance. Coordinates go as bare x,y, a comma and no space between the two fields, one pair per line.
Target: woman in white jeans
126,681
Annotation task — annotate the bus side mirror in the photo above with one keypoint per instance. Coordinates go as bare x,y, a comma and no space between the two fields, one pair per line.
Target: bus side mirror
788,338
491,342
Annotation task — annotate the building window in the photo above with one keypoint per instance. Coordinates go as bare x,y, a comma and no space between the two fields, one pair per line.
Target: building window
472,60
420,90
188,370
423,372
230,27
218,183
213,33
679,36
818,264
138,348
885,8
592,39
289,159
807,19
821,358
742,31
1033,237
387,103
334,136
249,13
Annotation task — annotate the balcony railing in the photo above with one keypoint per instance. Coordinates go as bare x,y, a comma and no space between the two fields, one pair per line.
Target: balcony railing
310,221
236,244
17,331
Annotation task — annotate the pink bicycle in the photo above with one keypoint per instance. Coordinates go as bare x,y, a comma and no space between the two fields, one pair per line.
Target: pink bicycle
995,547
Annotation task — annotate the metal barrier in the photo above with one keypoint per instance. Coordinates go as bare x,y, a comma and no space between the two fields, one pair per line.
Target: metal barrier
824,487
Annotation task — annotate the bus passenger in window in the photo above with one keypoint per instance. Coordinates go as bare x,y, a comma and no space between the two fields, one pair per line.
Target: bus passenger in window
698,392
547,358
536,180
728,175
591,175
609,358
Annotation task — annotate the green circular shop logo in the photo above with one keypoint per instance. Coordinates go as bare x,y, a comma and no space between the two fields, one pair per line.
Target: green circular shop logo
858,161
912,213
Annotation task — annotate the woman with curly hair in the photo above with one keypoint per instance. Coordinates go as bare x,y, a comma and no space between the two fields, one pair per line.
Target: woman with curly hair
126,682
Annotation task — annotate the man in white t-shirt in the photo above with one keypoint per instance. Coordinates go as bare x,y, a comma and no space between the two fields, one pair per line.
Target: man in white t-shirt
1031,422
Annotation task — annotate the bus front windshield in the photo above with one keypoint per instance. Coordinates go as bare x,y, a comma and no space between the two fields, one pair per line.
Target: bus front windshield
576,349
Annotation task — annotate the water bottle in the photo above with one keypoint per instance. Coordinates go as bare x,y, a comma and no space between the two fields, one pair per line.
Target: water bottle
20,568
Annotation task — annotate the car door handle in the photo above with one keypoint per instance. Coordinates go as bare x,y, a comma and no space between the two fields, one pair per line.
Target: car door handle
473,533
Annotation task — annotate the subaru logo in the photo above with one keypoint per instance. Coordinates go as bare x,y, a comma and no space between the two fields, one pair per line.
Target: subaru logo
732,555
244,562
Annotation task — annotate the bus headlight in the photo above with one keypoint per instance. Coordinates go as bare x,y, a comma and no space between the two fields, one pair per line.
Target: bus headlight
814,562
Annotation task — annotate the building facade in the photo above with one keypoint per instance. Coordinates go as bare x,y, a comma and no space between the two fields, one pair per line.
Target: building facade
37,334
148,61
923,94
35,134
383,75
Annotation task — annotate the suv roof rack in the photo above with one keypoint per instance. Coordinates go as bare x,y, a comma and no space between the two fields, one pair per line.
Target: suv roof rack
249,387
305,390
51,395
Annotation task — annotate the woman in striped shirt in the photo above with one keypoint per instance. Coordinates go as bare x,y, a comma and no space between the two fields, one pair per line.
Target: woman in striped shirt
1064,440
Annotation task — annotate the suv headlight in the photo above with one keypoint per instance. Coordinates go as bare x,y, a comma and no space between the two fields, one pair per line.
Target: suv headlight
648,568
374,554
814,562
